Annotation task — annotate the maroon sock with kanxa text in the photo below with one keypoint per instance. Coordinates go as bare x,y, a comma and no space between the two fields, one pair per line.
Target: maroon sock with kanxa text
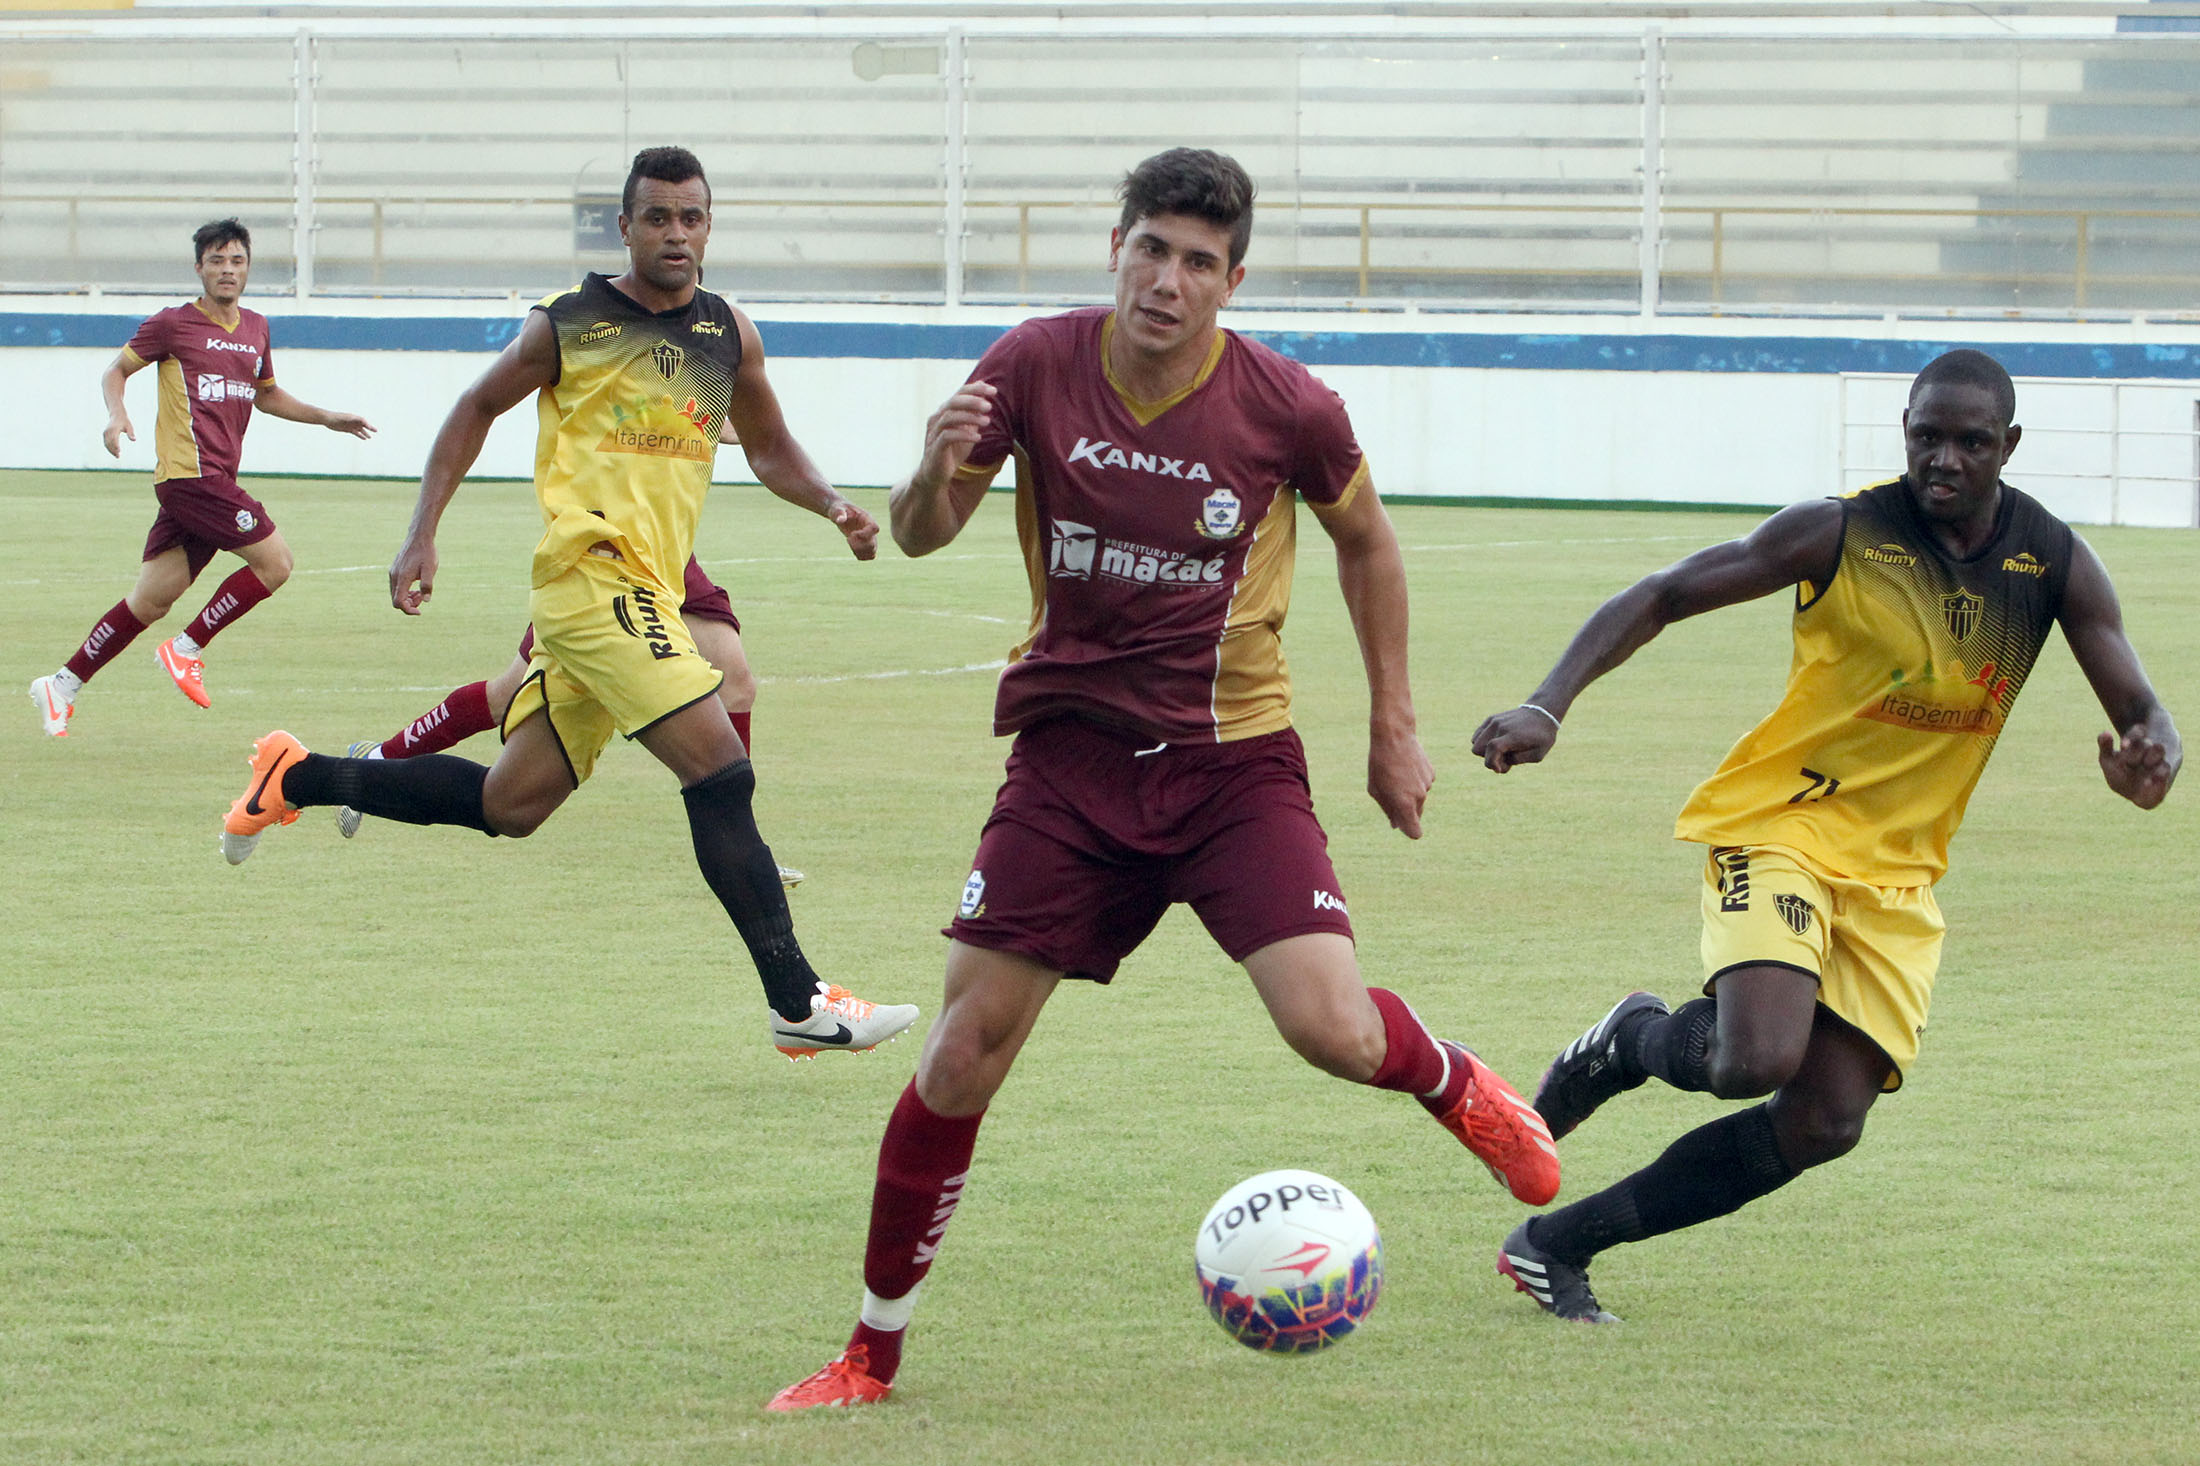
449,723
114,631
1413,1062
923,1162
237,595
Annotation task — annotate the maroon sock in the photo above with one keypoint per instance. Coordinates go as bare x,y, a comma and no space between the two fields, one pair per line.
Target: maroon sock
922,1164
881,1350
450,722
1412,1063
237,595
114,631
741,726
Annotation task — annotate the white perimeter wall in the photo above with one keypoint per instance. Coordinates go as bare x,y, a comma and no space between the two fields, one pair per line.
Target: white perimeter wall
1728,436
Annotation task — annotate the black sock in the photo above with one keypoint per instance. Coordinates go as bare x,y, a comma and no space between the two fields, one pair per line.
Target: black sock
745,879
1710,1171
434,789
1672,1048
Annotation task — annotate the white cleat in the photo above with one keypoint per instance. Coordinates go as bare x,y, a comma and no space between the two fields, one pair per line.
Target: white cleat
54,712
841,1022
348,819
789,877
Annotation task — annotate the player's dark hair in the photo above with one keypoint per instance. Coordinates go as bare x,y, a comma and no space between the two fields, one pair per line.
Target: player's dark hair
666,165
1968,368
217,234
1206,185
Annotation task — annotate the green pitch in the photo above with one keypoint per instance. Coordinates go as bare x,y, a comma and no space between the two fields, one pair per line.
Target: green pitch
429,1148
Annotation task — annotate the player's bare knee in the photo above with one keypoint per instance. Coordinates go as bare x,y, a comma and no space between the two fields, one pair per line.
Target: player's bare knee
515,818
274,570
1347,1050
738,690
957,1074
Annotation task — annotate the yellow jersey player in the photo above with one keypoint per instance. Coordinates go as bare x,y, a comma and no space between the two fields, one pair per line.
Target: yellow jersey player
1920,605
633,377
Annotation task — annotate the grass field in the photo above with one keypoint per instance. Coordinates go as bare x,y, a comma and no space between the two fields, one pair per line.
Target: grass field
424,1148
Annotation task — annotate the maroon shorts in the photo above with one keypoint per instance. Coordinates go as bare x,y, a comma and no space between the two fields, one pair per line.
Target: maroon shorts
703,598
1091,839
202,515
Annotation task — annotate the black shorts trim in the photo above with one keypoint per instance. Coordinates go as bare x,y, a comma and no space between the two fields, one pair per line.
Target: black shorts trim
683,707
504,733
1713,979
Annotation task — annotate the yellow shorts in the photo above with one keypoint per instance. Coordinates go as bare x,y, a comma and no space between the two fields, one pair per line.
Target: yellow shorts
1873,949
611,654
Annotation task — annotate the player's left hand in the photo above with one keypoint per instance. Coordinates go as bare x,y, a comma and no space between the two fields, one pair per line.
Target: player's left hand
1398,778
350,422
2139,768
852,520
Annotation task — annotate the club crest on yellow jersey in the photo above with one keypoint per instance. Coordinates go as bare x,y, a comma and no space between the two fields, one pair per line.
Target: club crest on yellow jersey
1960,609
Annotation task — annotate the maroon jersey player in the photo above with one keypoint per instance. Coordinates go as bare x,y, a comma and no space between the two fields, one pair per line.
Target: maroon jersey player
1159,460
215,368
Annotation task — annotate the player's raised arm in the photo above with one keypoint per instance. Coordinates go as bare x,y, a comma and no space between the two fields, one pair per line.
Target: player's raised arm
1801,542
1372,576
930,507
118,416
2141,753
778,460
526,366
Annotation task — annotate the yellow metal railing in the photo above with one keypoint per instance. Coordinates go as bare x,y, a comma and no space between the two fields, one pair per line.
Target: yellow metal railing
2077,228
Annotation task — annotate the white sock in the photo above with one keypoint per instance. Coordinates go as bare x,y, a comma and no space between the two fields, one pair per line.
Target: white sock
890,1315
186,645
68,684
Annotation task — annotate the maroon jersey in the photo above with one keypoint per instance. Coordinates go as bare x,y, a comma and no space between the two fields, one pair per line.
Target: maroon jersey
208,380
1158,536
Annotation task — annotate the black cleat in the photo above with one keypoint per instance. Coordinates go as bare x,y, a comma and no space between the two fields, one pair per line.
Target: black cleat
1559,1288
1588,1072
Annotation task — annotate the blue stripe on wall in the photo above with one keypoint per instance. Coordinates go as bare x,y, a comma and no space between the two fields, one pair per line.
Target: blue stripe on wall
904,342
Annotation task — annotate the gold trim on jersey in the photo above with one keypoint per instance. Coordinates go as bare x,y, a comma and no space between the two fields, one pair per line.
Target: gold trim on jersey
1138,407
175,445
1252,687
1359,480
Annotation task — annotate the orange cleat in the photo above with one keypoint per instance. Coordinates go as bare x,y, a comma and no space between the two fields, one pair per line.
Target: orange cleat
187,669
1502,1129
842,1382
261,805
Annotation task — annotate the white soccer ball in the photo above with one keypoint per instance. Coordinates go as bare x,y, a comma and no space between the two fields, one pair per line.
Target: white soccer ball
1289,1261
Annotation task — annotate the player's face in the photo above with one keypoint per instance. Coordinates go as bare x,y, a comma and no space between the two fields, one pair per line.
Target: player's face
666,233
1956,443
222,272
1172,277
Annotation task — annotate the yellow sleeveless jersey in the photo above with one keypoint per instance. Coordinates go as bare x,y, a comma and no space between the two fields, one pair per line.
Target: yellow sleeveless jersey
629,430
1906,664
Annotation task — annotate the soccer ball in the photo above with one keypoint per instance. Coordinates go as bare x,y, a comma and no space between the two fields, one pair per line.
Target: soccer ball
1289,1262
